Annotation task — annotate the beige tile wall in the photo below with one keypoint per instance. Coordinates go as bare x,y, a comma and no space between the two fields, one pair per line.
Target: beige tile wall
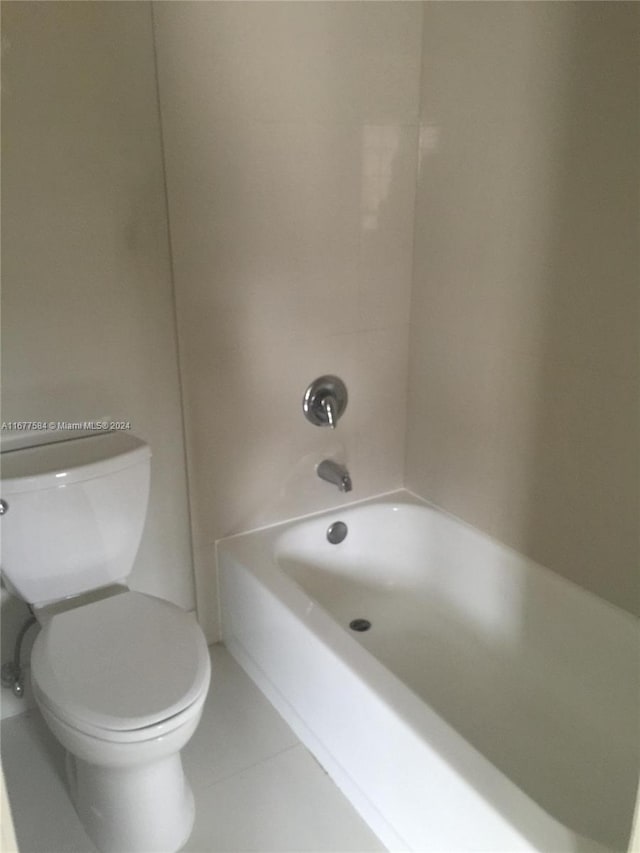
291,148
290,134
523,413
88,324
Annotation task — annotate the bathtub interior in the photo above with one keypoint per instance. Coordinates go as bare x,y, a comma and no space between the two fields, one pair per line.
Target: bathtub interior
536,674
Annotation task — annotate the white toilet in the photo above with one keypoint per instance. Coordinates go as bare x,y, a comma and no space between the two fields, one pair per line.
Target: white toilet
120,676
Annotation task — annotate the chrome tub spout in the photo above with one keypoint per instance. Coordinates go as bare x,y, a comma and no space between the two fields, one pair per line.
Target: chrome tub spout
335,473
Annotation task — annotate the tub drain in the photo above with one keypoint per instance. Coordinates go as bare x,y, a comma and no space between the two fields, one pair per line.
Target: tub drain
360,625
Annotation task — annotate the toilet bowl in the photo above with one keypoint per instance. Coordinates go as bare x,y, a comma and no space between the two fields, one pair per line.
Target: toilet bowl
121,683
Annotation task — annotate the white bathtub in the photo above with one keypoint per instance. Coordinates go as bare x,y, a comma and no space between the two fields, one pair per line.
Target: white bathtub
491,706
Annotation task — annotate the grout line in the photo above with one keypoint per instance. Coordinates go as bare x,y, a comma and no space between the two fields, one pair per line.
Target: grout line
414,238
265,760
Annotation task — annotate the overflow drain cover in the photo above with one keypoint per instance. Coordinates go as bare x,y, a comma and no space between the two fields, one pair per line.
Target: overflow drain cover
360,625
337,532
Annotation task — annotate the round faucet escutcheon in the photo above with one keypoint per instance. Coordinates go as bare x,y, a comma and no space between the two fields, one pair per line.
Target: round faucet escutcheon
325,400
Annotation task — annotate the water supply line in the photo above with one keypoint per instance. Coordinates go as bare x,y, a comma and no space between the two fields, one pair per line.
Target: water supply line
12,674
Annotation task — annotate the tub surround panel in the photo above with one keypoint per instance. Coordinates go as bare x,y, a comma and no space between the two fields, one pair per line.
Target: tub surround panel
331,62
290,142
524,410
274,478
88,319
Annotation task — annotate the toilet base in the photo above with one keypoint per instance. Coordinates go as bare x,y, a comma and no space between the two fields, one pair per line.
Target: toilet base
140,809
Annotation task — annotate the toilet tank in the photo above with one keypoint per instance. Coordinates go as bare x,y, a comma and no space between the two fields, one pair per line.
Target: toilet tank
74,514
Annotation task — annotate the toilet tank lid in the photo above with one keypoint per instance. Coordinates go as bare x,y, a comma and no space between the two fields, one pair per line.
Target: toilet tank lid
48,466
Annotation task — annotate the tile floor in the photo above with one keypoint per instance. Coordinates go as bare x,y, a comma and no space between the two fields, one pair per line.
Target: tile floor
256,786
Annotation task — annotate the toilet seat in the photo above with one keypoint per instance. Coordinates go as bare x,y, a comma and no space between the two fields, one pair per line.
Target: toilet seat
125,668
163,729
